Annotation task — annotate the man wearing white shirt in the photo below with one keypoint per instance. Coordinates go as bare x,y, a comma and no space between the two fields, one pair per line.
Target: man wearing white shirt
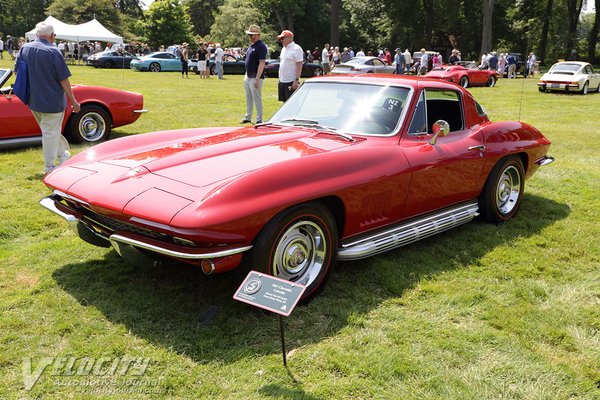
290,65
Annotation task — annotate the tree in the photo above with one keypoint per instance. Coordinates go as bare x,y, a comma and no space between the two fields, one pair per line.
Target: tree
234,18
593,36
574,11
167,23
18,16
81,11
334,23
486,27
202,14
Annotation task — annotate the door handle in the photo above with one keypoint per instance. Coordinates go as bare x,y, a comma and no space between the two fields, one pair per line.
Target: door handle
478,147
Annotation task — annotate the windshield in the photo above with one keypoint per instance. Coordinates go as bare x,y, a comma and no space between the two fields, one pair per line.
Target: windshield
345,107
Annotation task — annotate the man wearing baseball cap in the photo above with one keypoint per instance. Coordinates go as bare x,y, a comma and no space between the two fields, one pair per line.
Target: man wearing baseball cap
290,65
255,68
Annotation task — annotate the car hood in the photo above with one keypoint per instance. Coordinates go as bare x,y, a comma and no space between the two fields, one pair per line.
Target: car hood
182,166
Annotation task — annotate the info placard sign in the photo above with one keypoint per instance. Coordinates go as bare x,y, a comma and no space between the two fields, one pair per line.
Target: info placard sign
270,293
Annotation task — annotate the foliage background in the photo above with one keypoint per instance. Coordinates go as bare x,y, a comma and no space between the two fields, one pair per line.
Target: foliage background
521,25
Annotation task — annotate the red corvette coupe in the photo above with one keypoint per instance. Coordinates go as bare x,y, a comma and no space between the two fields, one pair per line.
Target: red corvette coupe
465,74
101,110
349,167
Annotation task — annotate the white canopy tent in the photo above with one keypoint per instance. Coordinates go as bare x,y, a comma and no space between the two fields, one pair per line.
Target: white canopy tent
91,30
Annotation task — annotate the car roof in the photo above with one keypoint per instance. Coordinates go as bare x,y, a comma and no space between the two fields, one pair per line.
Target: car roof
580,63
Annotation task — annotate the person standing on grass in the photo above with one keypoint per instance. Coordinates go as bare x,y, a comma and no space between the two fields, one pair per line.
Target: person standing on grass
256,55
1,47
290,67
184,59
201,56
48,77
219,60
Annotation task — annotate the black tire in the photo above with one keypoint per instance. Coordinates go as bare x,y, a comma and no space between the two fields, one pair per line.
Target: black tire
213,70
464,82
503,191
584,90
91,125
154,67
317,72
109,64
491,82
299,245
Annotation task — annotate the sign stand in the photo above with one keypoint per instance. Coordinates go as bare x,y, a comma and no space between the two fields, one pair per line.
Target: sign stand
273,294
281,330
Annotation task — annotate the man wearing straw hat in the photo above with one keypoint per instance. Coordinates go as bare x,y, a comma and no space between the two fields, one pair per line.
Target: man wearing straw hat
255,68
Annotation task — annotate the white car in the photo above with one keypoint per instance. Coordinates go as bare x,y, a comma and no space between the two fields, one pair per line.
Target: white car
570,76
363,65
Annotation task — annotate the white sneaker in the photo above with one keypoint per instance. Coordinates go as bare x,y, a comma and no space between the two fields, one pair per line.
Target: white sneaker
66,155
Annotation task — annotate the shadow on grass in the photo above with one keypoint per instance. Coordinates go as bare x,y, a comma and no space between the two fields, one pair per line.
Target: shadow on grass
178,307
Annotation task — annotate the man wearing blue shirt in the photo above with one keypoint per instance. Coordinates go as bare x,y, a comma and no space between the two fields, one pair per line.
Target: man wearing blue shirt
48,77
255,68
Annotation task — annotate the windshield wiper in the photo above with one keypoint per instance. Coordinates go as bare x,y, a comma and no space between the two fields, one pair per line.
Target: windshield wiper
309,123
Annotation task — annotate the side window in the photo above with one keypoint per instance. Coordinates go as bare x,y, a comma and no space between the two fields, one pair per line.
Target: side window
444,105
418,125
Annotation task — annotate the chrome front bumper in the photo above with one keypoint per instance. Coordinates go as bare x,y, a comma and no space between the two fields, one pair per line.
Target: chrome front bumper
124,243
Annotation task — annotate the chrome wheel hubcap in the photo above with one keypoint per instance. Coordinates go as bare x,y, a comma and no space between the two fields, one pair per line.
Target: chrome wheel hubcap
92,127
508,190
300,253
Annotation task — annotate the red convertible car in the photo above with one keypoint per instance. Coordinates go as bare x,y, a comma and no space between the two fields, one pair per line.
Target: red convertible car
465,74
101,110
349,167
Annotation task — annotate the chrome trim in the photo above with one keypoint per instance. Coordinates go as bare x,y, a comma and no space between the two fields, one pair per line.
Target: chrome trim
20,142
50,204
409,232
141,111
545,161
116,239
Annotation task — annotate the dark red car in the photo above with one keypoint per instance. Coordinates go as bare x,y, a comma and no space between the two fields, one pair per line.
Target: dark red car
465,74
349,167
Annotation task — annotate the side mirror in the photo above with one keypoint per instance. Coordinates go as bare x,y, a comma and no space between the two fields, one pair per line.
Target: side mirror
440,127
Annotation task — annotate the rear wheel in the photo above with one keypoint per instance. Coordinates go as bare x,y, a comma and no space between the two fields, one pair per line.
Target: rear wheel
298,245
91,125
108,64
213,70
491,81
503,191
317,72
154,67
584,91
464,82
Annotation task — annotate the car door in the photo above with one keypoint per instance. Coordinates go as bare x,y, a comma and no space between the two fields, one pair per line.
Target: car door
447,172
476,75
593,77
16,119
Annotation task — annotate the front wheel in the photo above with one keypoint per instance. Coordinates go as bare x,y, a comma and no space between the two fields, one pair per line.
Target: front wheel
109,64
464,82
491,82
298,245
317,72
154,67
213,70
91,125
503,191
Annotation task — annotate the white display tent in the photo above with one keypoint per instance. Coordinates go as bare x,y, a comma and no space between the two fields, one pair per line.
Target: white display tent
91,30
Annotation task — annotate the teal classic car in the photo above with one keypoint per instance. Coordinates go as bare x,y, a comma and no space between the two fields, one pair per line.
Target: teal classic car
157,62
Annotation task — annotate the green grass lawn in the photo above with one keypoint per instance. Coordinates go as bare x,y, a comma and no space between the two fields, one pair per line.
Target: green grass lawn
480,312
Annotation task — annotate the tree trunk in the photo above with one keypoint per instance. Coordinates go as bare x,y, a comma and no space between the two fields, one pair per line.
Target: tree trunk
574,11
594,35
429,19
335,22
545,28
486,29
